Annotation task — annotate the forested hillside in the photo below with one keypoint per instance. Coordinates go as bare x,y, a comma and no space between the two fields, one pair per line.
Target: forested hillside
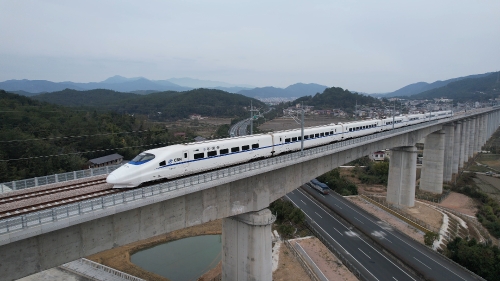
31,130
338,98
168,105
471,89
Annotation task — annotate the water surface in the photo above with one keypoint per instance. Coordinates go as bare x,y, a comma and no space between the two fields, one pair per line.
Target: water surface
181,260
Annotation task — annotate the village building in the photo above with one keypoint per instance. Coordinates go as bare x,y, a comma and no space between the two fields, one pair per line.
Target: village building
107,160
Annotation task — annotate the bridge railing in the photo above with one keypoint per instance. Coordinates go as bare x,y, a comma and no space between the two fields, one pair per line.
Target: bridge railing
83,207
39,181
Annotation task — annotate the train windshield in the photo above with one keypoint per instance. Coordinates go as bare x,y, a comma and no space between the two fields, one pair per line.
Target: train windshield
142,158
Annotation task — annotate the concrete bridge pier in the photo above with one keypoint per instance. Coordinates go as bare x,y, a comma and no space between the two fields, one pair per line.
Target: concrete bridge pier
431,178
456,147
449,131
467,140
402,176
472,136
247,246
461,156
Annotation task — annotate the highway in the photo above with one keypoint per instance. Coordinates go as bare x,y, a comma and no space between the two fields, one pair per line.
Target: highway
371,263
421,259
240,128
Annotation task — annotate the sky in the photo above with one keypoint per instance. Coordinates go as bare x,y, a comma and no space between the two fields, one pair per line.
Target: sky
363,45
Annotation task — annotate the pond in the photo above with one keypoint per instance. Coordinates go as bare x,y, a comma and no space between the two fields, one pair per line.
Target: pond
183,259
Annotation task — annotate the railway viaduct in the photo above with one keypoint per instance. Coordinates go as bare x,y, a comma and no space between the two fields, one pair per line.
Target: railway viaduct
239,195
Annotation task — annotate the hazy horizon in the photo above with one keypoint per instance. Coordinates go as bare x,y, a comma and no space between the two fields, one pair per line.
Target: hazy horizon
365,46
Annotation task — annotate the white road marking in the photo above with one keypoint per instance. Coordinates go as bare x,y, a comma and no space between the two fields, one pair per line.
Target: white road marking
303,202
318,215
338,231
422,263
338,206
358,220
364,253
336,242
394,278
395,236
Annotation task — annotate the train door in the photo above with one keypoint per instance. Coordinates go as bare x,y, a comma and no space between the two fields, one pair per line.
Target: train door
185,159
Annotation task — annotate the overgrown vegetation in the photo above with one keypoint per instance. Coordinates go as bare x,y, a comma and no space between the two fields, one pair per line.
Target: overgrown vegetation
479,258
430,237
31,130
289,219
335,97
489,212
338,183
159,106
373,172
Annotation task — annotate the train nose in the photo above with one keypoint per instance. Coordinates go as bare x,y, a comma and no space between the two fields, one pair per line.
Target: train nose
112,179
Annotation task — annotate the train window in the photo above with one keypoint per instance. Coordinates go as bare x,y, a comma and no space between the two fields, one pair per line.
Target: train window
287,140
299,138
255,146
306,137
199,155
142,158
163,163
212,153
322,134
235,149
185,155
294,139
280,139
357,128
350,129
224,151
311,136
331,133
327,133
316,135
245,147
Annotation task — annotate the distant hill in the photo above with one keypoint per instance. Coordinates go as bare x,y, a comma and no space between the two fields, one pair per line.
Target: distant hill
338,98
92,98
115,83
293,91
421,87
36,86
158,105
197,83
469,89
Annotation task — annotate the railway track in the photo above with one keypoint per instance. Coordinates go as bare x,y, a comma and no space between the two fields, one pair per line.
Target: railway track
20,204
47,191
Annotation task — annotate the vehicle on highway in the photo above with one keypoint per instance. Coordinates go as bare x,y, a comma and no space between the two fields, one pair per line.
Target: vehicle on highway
190,158
319,186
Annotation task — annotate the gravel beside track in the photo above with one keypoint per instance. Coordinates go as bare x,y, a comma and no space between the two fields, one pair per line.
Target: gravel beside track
50,186
39,202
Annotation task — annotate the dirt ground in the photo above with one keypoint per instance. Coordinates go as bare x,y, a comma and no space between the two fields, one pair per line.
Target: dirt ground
390,219
377,189
492,160
331,267
283,123
460,203
204,127
289,268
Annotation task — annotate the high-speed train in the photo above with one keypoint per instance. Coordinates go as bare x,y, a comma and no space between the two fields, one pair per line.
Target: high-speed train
184,159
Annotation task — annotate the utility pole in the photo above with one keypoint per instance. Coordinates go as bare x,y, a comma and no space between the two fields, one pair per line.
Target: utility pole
302,129
393,112
356,110
251,117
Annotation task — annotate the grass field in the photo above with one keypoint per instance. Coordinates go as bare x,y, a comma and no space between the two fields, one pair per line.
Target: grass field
491,160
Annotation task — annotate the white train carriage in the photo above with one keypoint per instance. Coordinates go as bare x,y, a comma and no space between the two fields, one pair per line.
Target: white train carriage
184,159
360,128
399,121
290,140
415,119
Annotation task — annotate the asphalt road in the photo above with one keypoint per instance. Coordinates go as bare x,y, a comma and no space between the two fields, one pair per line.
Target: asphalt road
417,256
371,263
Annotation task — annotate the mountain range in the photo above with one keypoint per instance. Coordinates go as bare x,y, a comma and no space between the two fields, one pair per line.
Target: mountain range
120,84
421,87
294,91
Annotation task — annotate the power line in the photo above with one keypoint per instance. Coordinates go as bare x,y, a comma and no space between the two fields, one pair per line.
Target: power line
84,152
78,136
